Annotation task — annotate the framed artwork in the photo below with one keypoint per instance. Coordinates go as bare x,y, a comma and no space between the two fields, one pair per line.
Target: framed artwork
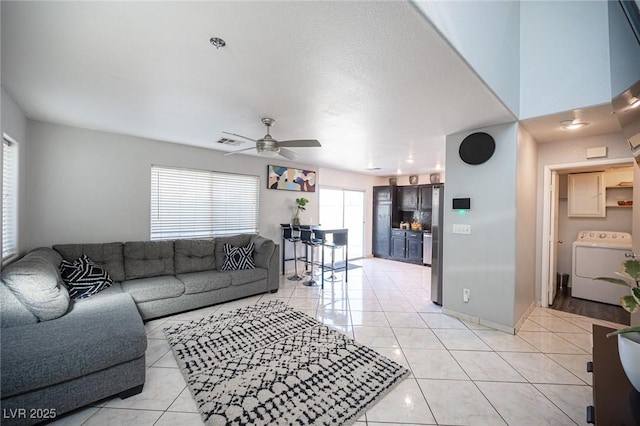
291,179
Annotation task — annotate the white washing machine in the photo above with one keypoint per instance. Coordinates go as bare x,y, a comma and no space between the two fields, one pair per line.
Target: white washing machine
599,254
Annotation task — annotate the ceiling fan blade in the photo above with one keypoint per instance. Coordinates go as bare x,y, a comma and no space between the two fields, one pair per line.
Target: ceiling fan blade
289,155
240,150
240,136
301,143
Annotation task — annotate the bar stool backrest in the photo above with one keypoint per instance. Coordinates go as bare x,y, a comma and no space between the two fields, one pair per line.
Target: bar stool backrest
306,234
286,231
340,239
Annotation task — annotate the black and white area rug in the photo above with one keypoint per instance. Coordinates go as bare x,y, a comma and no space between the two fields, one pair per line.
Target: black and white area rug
268,364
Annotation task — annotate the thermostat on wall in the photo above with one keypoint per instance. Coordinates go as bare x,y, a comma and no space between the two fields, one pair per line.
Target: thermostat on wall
462,203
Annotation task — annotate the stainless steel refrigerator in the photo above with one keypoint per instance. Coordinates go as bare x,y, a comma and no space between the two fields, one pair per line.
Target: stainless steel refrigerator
437,213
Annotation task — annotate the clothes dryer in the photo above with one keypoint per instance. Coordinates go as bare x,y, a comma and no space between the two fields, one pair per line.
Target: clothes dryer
599,254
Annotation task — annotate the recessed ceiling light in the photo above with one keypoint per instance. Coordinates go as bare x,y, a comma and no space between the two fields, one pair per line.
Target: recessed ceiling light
438,166
409,160
398,172
572,124
217,42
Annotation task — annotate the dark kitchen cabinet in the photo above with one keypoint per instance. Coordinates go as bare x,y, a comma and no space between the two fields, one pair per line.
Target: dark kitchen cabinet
425,195
414,247
398,244
408,198
384,215
406,245
414,198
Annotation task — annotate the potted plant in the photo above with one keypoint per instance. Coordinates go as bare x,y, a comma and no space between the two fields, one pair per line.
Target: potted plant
629,337
300,207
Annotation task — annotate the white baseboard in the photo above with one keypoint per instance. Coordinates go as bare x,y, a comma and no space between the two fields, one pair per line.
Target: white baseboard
477,320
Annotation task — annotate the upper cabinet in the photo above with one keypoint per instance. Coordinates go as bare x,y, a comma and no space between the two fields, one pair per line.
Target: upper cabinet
408,197
586,195
425,194
590,194
415,198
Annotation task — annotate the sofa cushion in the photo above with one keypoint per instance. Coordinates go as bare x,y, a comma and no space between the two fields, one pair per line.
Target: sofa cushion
237,258
36,283
246,276
263,250
108,256
12,311
240,240
194,255
199,282
83,277
156,288
144,259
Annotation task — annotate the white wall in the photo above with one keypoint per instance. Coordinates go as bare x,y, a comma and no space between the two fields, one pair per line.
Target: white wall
526,215
485,33
564,56
624,54
14,124
570,152
485,261
89,186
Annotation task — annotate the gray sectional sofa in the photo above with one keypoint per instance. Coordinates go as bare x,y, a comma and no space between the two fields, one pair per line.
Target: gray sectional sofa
59,354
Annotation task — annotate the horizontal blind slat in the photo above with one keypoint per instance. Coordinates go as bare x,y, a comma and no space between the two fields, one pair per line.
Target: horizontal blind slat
189,203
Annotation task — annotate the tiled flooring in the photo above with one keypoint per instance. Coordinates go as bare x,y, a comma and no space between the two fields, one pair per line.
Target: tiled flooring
462,373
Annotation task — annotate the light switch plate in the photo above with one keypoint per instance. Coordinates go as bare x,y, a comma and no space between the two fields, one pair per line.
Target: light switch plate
462,229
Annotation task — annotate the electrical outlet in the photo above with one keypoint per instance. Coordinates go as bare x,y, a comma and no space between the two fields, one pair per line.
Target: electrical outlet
466,294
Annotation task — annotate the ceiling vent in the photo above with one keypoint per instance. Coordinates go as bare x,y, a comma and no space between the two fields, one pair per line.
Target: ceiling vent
232,142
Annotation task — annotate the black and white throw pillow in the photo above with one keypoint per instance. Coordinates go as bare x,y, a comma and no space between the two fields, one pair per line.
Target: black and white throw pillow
237,258
83,277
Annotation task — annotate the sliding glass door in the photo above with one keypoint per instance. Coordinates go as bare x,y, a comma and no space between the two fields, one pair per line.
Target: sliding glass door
342,208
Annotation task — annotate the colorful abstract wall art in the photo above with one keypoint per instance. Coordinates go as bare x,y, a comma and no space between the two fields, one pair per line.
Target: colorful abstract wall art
291,179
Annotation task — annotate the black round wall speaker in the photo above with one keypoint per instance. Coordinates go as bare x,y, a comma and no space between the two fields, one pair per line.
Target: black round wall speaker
477,148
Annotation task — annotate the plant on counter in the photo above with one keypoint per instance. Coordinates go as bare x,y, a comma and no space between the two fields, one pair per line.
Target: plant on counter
630,277
300,207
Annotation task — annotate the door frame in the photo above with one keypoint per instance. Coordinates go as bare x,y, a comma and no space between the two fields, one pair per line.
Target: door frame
547,214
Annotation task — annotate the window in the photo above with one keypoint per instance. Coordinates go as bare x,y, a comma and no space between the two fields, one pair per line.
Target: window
188,203
9,198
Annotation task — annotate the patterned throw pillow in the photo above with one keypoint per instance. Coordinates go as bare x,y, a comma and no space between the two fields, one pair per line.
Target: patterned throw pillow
238,257
83,277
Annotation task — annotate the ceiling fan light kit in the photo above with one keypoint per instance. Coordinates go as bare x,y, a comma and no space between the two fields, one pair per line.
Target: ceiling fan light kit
269,147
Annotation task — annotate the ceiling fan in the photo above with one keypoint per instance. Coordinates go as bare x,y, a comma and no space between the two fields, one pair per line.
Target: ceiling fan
270,147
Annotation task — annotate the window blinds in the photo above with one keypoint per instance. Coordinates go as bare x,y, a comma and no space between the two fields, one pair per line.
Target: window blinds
9,198
188,203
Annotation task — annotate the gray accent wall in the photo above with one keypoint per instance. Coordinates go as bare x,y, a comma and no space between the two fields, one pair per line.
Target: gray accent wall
562,66
88,186
484,262
487,36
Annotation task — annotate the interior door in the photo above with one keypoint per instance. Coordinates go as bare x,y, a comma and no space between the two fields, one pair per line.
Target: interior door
553,237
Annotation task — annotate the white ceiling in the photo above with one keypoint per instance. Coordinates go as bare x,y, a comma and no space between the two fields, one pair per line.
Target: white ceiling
373,81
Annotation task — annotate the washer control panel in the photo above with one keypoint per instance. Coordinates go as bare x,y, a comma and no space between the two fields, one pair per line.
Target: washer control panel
604,237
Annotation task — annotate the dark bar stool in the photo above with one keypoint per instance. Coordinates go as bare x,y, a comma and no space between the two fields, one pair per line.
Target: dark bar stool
339,241
289,234
307,237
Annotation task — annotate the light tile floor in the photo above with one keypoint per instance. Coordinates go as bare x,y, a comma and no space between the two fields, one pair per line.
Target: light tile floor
462,373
